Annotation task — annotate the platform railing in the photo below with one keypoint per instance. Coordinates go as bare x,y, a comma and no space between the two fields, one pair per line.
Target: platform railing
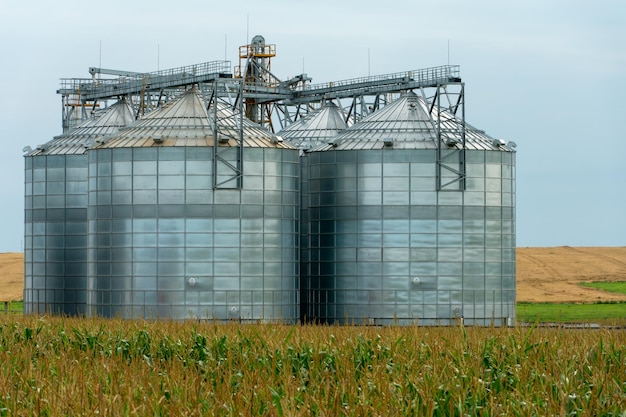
440,74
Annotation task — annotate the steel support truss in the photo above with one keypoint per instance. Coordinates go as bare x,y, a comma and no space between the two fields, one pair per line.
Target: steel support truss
284,101
227,132
449,101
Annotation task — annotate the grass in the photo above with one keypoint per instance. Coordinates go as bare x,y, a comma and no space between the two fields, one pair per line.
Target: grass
618,287
554,312
13,306
606,313
113,367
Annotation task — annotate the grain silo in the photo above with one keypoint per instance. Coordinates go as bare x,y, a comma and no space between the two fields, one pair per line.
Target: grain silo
315,128
55,246
182,225
193,210
411,220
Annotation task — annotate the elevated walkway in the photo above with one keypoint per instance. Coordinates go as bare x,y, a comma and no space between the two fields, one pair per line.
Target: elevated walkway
379,84
137,83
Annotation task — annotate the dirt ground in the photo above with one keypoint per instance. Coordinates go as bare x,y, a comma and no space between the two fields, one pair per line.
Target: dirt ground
543,274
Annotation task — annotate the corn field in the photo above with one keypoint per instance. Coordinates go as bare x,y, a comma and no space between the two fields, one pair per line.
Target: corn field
53,366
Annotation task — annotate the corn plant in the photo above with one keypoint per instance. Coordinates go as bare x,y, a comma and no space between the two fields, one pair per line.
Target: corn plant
67,366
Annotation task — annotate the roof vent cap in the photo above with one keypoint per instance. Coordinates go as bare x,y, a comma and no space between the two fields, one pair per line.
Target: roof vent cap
451,141
497,143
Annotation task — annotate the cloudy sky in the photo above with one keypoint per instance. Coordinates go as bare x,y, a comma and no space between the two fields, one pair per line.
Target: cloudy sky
549,75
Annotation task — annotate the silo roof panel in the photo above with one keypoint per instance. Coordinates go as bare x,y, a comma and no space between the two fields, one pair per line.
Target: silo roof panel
76,141
185,122
409,123
315,128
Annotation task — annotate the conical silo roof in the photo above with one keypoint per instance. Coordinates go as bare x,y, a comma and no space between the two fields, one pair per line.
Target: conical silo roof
411,124
76,141
185,121
317,127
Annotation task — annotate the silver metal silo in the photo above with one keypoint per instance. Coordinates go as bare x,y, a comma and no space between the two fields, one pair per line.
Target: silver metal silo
397,236
55,241
183,225
318,127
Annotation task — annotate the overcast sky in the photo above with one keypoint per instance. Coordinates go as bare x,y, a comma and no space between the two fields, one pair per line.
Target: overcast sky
549,75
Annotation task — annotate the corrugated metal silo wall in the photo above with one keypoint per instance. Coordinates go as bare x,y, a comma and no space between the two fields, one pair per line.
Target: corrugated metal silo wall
386,247
164,243
55,234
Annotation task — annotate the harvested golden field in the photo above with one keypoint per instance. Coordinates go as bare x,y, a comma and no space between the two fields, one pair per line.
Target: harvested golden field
553,274
543,274
11,276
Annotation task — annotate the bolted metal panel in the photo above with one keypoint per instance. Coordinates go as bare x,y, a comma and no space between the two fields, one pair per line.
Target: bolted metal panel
393,249
178,250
